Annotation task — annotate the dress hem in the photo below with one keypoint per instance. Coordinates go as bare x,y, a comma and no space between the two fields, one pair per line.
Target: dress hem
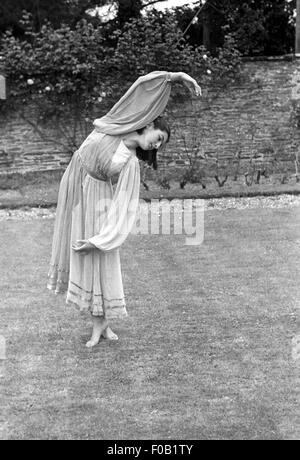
109,313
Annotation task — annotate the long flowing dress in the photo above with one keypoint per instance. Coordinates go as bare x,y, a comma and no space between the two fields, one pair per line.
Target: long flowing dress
89,208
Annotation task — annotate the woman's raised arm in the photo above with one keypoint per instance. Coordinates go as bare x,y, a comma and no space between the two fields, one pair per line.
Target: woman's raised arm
144,101
187,80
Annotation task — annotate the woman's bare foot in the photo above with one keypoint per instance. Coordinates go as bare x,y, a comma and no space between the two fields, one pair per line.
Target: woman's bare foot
109,334
99,326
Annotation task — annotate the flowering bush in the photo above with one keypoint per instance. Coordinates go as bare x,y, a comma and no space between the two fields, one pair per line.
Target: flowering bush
65,61
56,78
157,42
71,75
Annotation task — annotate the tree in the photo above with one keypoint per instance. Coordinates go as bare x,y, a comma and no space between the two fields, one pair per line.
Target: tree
69,12
54,11
128,9
264,27
260,27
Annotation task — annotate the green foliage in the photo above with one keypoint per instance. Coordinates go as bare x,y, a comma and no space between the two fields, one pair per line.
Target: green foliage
260,27
146,44
72,75
249,29
128,9
54,11
63,60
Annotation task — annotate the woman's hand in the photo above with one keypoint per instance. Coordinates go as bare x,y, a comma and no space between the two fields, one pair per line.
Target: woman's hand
188,81
197,89
191,84
83,247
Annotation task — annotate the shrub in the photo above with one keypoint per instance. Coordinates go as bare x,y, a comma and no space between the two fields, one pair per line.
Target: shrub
60,79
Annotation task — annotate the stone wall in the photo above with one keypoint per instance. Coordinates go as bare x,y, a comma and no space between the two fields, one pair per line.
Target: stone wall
251,118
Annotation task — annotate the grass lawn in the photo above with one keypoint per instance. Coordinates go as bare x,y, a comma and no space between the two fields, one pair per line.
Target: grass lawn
206,352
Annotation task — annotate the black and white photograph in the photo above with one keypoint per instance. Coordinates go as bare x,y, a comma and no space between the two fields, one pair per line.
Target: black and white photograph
149,222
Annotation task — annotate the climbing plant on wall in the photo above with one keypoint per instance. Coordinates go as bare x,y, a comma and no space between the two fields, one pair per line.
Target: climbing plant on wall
60,79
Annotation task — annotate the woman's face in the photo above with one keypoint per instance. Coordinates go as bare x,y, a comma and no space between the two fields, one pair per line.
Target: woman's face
152,138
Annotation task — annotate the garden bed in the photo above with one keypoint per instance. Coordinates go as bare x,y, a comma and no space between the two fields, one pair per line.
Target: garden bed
41,190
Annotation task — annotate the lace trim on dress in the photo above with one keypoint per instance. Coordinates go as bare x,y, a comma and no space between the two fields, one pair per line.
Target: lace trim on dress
92,292
97,304
90,299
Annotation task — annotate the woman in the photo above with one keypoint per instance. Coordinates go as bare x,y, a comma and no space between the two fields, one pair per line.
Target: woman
93,220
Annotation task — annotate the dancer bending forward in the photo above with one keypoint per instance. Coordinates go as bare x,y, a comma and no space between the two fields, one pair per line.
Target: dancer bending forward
93,220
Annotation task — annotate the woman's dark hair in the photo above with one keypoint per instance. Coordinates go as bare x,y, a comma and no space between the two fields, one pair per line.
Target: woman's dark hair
150,156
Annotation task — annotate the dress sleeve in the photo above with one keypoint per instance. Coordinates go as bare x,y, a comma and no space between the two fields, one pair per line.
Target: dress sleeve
123,208
145,100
